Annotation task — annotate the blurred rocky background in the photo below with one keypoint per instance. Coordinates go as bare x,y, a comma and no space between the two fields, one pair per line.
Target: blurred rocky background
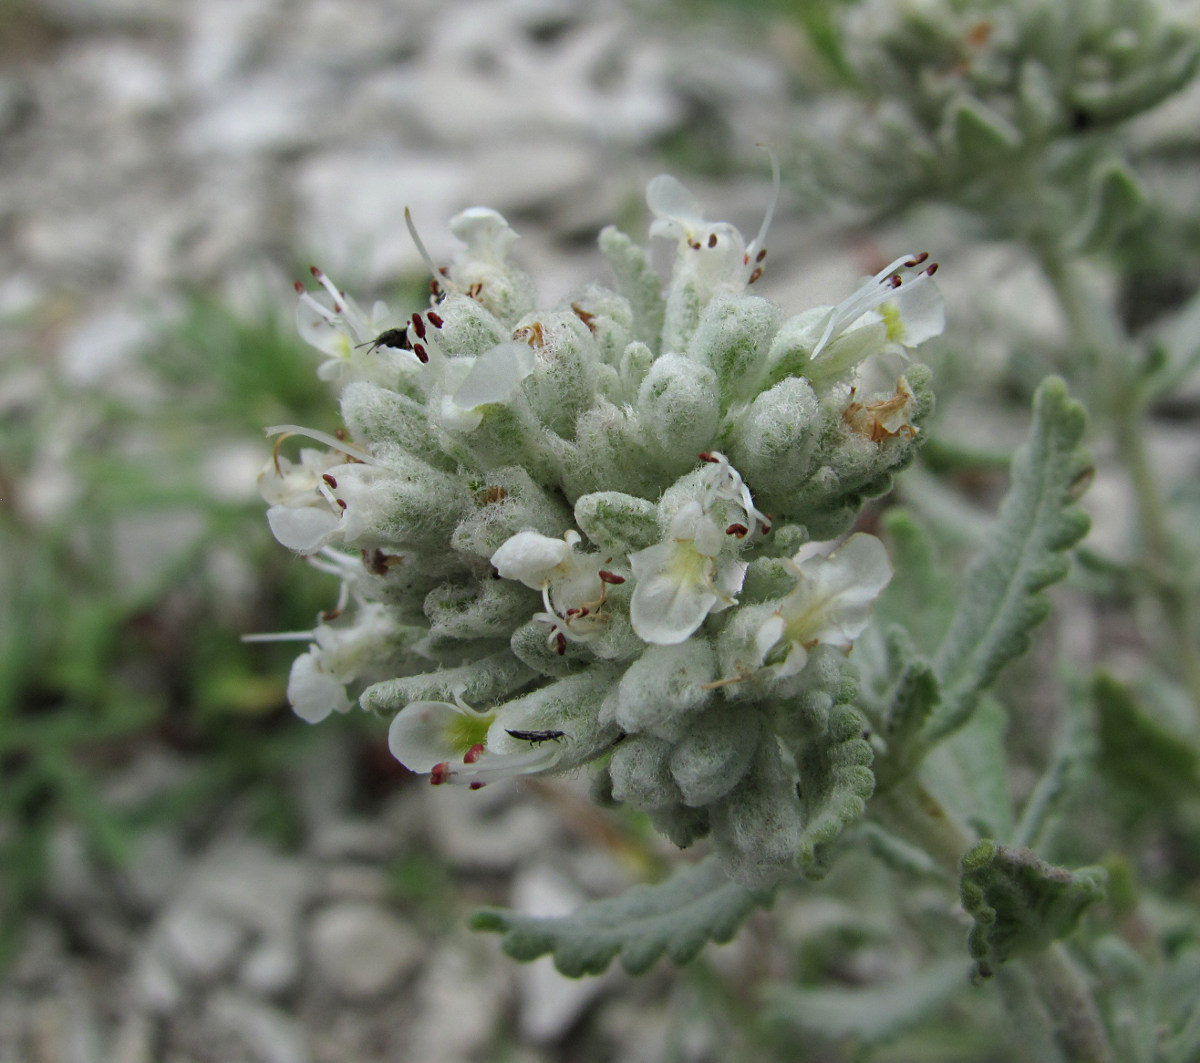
189,873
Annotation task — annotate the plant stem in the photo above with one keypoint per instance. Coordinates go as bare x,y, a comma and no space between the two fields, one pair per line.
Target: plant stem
909,811
1118,396
1078,1027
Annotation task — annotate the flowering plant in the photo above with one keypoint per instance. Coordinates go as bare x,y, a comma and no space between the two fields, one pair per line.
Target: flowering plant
620,533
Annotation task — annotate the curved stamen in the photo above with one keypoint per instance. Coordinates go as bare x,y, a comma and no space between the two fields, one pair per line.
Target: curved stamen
322,437
759,241
436,273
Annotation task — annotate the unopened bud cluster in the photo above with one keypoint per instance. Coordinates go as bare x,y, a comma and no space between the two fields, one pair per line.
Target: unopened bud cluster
601,533
1009,109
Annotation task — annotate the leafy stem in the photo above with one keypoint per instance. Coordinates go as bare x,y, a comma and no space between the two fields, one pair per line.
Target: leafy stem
1118,393
1079,1029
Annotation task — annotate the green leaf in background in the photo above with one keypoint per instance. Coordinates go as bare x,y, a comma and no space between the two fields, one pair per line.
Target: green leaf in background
677,917
1020,904
870,1015
921,596
969,773
1039,521
1156,764
1070,765
1115,201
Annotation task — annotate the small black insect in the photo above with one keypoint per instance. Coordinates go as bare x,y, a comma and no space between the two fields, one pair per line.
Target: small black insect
538,736
393,337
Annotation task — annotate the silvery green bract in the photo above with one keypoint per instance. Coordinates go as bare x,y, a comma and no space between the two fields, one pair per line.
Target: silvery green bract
591,534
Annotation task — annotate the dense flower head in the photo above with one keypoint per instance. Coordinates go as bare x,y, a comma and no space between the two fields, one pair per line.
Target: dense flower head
591,534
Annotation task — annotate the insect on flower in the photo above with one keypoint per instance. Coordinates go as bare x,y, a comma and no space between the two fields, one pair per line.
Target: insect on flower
537,737
393,337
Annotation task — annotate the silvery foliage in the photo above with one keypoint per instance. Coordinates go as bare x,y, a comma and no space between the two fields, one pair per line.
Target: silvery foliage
1008,109
604,533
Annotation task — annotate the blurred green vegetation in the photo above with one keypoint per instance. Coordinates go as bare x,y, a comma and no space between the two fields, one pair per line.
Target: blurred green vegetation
122,612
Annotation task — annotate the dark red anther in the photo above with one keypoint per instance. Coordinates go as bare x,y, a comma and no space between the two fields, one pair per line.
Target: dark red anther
341,502
560,643
418,324
434,318
337,308
435,289
329,480
575,612
704,455
444,271
766,528
912,263
761,255
894,281
712,239
315,272
931,270
330,615
610,577
440,773
477,785
299,287
421,353
740,531
473,754
758,272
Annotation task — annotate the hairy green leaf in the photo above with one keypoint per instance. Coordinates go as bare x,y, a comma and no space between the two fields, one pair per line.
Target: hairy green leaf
826,736
1020,904
1002,601
677,917
908,705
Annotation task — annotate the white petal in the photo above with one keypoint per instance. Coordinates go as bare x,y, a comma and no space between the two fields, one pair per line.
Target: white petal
316,326
313,693
485,232
728,582
419,734
304,529
769,633
496,375
530,557
458,419
922,311
670,200
666,609
832,601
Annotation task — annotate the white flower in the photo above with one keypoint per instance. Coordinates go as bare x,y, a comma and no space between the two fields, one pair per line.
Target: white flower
679,582
902,295
344,507
469,384
723,482
830,603
573,588
347,335
341,655
453,744
287,483
713,254
481,271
